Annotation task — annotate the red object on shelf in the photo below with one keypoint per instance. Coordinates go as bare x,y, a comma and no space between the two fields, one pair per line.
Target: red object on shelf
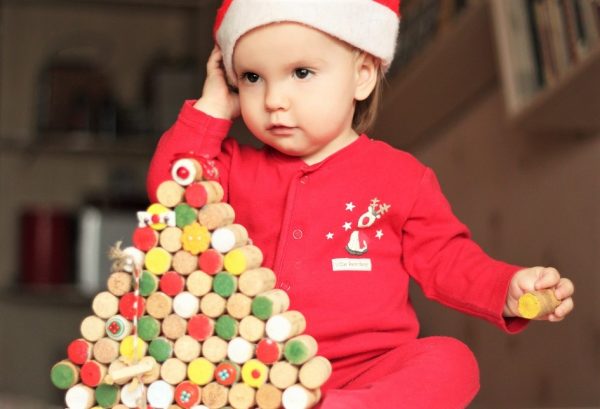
47,245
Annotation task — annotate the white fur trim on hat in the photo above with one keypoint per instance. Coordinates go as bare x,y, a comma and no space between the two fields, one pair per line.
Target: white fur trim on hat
364,24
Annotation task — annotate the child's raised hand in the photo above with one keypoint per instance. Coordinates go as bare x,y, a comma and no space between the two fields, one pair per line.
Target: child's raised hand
535,279
217,100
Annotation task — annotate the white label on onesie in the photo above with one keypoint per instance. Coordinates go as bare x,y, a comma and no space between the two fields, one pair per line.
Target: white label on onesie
351,264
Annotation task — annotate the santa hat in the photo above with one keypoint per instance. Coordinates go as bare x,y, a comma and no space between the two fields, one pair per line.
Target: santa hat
369,25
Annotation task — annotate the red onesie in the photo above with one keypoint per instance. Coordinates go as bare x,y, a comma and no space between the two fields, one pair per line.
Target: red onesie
343,237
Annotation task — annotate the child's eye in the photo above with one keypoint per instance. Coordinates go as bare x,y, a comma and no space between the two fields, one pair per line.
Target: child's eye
302,73
250,77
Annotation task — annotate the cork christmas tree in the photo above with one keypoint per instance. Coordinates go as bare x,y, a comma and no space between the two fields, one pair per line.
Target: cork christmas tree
190,317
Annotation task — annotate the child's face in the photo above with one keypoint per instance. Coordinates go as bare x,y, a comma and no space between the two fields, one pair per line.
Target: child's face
297,89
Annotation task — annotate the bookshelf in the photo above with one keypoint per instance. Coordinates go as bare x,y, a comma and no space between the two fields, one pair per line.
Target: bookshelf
442,78
549,61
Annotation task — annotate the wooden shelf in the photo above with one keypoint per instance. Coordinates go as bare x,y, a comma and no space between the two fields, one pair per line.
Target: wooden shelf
572,105
569,104
456,66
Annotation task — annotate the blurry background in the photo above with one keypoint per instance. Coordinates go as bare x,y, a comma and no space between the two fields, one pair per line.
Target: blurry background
500,97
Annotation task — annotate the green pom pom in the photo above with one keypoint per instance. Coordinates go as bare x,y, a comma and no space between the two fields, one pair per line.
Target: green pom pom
295,352
262,307
63,376
148,328
226,327
148,283
224,284
107,395
160,349
184,215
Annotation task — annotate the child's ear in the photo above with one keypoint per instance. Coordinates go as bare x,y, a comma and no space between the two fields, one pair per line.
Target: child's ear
367,72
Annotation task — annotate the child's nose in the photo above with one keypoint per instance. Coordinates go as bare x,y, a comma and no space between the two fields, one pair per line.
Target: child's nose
276,98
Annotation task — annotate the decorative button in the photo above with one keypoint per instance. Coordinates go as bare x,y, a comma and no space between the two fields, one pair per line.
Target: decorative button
297,234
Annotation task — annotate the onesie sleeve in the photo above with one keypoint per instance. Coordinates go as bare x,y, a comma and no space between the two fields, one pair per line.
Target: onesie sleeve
450,267
194,133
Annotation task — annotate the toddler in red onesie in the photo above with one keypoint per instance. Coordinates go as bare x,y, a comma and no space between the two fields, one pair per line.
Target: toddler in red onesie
344,220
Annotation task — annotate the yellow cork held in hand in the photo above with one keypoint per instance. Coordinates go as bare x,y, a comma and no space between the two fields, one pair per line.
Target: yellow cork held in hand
537,304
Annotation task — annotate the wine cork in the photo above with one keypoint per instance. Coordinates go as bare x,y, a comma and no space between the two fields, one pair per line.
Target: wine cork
158,260
92,373
286,325
226,327
173,326
105,350
200,327
215,215
227,373
227,238
80,397
224,284
239,350
119,283
92,328
117,327
119,373
79,351
148,283
160,394
199,283
268,351
187,394
131,394
298,397
187,349
256,281
107,395
186,304
133,348
252,328
186,171
169,193
300,349
116,367
153,374
105,305
314,373
203,193
159,305
184,263
211,261
161,349
195,238
537,304
131,305
214,395
144,238
254,373
172,283
270,303
170,239
148,328
201,371
239,305
268,397
64,375
242,396
213,305
283,374
173,371
214,349
243,258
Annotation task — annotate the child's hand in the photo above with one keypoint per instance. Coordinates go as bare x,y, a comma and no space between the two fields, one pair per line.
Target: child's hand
540,278
217,99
